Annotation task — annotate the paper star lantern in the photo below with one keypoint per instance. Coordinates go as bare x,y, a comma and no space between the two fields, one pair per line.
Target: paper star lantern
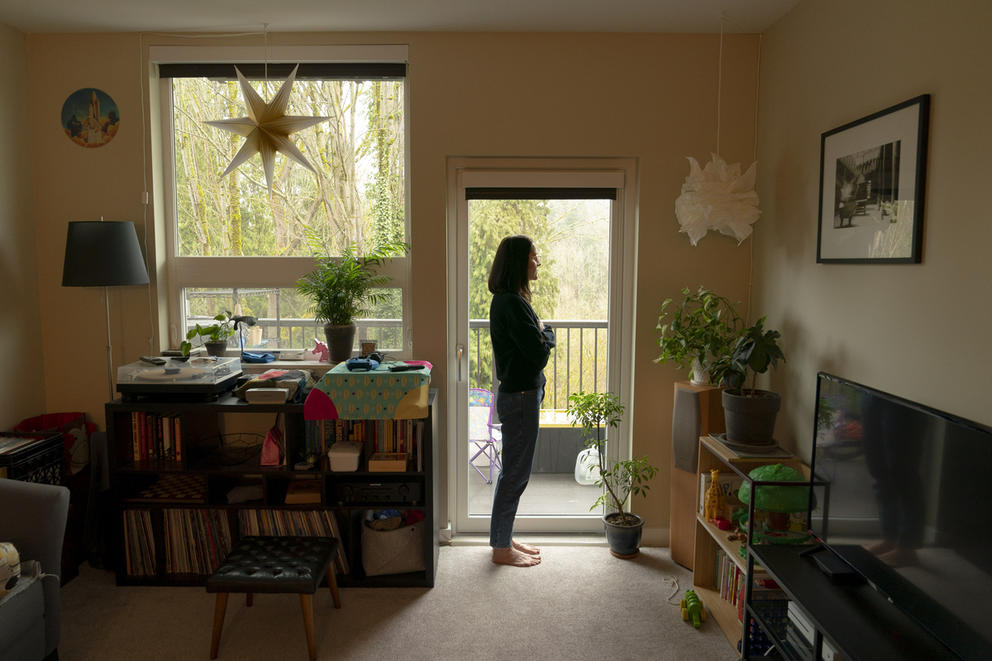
267,128
717,197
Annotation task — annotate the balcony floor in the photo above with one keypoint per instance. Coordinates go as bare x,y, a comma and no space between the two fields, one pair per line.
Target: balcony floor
549,494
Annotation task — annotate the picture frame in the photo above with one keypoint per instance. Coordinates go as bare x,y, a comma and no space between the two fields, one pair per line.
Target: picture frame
872,184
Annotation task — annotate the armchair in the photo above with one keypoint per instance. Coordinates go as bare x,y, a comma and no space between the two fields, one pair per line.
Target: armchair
33,518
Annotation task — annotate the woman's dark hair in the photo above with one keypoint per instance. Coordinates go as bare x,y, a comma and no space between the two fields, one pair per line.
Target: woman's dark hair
511,265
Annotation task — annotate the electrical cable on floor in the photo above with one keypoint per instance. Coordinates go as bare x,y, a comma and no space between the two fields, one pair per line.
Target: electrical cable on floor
675,590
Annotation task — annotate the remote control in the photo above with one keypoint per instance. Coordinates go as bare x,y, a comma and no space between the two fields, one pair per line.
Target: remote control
404,368
153,360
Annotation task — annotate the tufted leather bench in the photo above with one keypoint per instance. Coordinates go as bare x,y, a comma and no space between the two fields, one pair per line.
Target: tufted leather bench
276,565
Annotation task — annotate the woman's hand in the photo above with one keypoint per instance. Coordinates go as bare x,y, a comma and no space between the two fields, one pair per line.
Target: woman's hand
540,324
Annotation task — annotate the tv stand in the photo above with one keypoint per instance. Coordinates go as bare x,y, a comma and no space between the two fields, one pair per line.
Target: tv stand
855,620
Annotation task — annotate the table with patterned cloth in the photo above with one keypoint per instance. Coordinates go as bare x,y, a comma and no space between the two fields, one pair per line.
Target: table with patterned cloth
370,395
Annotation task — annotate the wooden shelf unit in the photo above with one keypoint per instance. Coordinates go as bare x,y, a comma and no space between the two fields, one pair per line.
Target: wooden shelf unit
344,497
709,539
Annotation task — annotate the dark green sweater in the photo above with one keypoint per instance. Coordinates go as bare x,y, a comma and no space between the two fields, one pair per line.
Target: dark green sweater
520,347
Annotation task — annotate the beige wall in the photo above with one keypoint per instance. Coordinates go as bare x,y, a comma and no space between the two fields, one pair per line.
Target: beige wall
650,97
920,331
22,392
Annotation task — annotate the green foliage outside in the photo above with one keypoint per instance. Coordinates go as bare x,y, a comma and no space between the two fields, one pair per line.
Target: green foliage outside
356,198
572,241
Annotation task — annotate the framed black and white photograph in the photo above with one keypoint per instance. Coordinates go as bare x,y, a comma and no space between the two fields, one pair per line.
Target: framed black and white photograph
872,180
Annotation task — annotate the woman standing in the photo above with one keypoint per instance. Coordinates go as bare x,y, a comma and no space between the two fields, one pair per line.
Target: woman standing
521,346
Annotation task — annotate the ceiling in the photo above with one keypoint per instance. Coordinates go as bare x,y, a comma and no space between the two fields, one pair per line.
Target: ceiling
679,16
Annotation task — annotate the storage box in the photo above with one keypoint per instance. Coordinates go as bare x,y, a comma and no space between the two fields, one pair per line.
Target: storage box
32,457
344,456
267,395
388,462
396,551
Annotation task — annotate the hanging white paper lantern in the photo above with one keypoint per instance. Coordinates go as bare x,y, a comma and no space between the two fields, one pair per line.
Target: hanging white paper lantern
717,197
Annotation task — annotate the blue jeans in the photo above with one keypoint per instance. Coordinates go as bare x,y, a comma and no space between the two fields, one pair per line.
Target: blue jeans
519,412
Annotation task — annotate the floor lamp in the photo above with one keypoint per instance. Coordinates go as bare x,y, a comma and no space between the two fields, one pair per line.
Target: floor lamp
103,254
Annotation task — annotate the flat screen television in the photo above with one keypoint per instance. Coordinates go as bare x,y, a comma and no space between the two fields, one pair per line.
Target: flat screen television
913,486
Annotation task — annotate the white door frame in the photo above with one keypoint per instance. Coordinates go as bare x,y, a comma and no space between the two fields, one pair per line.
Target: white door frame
466,172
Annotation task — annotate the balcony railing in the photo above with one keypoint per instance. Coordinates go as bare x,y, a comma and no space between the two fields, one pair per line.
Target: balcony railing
578,362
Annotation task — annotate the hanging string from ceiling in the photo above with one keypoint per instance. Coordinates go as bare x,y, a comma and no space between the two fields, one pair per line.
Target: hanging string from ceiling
717,196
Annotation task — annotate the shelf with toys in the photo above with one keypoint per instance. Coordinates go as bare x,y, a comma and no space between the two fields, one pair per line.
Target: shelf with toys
725,519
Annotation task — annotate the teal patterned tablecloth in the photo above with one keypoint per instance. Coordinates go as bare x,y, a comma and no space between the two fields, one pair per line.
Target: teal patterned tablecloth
375,395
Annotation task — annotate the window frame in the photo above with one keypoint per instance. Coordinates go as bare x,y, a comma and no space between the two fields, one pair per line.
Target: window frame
282,272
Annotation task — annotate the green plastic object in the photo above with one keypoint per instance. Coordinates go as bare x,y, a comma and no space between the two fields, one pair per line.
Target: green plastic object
776,498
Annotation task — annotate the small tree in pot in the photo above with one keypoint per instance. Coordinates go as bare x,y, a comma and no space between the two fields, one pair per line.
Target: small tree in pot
620,479
750,413
697,332
344,288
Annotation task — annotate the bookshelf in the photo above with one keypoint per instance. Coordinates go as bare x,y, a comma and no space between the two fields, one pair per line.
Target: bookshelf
183,496
721,569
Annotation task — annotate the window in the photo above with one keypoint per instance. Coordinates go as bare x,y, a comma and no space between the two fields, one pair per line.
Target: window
231,245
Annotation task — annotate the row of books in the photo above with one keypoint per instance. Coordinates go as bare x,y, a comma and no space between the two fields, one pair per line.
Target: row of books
155,436
386,436
304,523
730,582
196,540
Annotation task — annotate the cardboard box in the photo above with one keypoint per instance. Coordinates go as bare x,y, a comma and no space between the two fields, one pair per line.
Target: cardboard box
388,462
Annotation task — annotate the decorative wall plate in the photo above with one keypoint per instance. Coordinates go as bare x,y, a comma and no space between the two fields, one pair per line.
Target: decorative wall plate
90,117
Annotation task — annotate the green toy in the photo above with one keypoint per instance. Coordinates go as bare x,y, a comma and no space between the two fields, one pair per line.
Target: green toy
776,498
692,608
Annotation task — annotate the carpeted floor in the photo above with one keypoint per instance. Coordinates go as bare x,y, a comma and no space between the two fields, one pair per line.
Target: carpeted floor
580,603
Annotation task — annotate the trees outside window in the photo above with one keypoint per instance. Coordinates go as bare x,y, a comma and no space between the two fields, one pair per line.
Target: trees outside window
236,246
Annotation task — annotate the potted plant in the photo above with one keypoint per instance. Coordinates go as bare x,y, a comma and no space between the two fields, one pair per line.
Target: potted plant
697,332
620,479
343,288
749,413
213,337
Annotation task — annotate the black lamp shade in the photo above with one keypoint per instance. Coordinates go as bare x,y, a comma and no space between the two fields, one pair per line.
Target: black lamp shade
101,254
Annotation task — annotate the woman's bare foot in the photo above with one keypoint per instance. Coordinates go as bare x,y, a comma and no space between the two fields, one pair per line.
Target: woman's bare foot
513,557
526,548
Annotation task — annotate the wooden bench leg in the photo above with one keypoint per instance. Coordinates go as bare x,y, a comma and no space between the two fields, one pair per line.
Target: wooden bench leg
220,608
306,603
332,584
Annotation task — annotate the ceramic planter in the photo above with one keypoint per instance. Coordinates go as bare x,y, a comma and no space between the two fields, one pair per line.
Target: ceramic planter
340,341
216,348
751,420
624,541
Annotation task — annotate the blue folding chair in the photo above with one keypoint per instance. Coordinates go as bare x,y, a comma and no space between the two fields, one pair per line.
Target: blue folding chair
483,433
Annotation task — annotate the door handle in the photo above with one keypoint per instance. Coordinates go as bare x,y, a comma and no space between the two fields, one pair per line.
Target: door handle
459,353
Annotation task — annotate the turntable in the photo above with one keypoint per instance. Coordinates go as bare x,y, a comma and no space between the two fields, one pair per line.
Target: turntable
198,378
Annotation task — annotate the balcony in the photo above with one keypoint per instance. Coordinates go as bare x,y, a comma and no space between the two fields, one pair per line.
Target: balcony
578,362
